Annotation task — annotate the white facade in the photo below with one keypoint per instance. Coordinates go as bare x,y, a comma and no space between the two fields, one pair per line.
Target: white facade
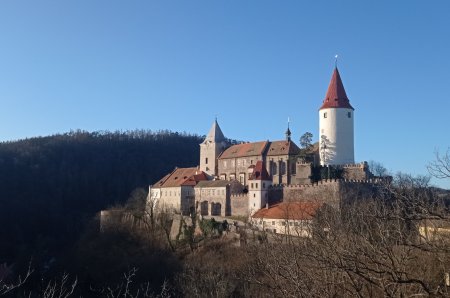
258,194
336,143
179,198
292,227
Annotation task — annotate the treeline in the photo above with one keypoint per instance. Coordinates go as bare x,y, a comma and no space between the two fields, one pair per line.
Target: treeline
51,186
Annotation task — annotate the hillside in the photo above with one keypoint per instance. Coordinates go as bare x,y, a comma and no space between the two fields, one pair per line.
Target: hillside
51,186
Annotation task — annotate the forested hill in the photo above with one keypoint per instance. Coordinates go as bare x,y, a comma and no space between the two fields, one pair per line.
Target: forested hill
49,185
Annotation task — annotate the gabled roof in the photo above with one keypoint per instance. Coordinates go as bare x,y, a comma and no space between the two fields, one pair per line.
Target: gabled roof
260,172
283,148
244,149
336,96
182,177
215,134
289,210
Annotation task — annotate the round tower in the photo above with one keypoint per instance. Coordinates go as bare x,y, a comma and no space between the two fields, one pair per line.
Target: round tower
336,143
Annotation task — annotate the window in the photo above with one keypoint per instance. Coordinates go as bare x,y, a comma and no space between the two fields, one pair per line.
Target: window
224,163
251,185
206,160
264,185
213,192
325,115
273,223
256,185
254,195
283,223
349,114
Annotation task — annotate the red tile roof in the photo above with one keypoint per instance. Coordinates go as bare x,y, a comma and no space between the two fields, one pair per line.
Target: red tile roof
245,149
283,148
336,96
260,172
182,177
289,210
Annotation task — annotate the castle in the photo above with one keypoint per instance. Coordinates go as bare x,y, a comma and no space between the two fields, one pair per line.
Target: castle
243,178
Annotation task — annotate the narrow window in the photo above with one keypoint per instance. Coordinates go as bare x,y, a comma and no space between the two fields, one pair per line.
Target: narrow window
256,185
325,115
254,195
206,160
264,185
349,114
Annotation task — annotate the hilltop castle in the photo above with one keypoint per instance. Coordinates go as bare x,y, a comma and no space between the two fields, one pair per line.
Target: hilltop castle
240,179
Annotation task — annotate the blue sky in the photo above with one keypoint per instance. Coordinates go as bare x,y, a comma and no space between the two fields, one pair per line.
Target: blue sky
108,65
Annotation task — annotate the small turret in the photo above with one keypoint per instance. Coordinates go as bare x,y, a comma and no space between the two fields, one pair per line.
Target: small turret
288,133
258,191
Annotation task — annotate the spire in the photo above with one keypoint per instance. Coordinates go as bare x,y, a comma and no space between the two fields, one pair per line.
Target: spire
288,133
336,96
215,134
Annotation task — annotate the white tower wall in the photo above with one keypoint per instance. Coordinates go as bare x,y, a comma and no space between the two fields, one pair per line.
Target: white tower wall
336,136
258,195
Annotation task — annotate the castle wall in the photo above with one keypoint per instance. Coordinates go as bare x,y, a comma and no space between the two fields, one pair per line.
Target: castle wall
237,168
358,171
303,173
213,200
281,168
324,191
239,205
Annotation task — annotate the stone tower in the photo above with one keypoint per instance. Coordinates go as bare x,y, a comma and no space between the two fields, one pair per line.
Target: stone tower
336,143
258,188
211,148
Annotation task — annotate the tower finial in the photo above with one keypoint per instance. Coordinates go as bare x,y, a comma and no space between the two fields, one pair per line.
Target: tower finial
335,60
288,132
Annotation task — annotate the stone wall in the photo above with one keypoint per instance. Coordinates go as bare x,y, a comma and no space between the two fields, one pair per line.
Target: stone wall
323,191
239,205
303,173
332,192
358,171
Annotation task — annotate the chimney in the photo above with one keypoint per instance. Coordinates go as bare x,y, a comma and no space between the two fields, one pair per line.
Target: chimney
267,205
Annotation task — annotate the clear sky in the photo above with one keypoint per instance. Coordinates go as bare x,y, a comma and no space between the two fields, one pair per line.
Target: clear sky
119,65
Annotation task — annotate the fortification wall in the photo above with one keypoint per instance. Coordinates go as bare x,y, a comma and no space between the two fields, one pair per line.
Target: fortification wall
303,173
359,171
332,192
239,204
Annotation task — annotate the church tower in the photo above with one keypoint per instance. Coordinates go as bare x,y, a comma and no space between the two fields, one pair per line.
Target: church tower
211,148
336,143
258,191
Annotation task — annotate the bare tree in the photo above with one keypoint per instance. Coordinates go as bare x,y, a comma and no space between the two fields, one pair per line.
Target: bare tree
440,167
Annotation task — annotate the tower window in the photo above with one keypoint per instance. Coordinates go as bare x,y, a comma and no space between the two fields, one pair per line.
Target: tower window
325,115
349,114
206,160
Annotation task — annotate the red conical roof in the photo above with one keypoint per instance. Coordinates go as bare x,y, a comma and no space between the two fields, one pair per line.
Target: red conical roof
336,96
